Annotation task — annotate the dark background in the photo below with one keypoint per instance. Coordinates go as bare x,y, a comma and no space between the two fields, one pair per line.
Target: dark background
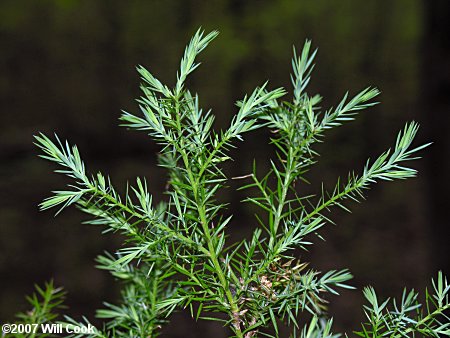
68,66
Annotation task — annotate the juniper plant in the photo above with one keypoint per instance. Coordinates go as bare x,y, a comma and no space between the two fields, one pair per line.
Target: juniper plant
176,255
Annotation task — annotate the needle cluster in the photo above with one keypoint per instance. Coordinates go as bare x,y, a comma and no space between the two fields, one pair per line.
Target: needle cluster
177,254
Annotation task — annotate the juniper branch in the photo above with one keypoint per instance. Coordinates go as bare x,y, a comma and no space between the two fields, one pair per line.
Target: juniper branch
176,256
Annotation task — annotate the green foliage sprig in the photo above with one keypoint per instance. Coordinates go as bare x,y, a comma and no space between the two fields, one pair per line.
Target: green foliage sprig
44,305
176,254
408,316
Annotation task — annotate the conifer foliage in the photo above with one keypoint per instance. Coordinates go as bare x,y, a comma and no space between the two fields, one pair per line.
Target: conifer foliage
177,256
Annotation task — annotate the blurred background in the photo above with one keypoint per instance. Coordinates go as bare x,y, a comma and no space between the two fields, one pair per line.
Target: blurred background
69,66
